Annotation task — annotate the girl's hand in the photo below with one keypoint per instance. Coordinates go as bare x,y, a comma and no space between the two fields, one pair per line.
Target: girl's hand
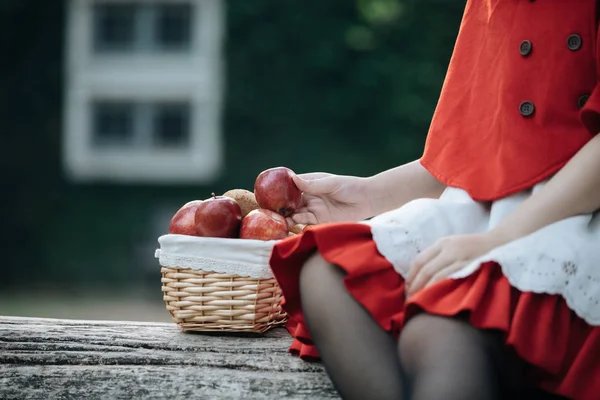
330,198
445,257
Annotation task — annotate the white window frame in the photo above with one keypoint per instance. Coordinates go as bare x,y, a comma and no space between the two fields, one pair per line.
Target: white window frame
195,76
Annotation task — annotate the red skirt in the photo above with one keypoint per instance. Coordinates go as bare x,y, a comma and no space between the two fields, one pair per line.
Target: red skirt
561,349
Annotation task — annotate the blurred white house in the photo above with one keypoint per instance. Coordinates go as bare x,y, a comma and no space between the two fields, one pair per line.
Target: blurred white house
144,87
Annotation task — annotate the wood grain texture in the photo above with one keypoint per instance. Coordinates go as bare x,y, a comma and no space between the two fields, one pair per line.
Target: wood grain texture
69,359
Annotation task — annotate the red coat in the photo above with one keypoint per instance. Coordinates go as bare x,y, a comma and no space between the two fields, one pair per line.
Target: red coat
520,98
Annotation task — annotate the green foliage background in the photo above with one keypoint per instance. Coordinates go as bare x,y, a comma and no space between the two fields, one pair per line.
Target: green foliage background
339,86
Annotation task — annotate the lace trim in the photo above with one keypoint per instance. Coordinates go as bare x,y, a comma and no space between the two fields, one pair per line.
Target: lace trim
540,273
212,265
587,311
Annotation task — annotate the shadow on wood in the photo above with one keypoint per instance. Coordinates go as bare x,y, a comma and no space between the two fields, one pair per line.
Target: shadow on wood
64,359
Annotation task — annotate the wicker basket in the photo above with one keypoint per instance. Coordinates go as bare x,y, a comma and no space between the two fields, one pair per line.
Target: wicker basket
206,298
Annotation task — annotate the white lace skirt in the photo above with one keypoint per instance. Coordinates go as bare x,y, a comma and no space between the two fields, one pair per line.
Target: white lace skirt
562,258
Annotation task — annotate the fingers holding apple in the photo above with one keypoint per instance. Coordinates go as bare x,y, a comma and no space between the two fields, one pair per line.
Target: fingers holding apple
275,190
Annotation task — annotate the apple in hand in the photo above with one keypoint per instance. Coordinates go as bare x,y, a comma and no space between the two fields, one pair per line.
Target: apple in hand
263,224
218,216
184,220
276,191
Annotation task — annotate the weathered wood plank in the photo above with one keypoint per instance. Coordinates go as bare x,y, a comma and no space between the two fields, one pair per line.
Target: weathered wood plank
63,359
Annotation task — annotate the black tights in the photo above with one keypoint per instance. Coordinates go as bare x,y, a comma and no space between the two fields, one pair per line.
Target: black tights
435,358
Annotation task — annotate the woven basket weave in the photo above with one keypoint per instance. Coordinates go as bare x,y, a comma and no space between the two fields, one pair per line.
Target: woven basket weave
220,302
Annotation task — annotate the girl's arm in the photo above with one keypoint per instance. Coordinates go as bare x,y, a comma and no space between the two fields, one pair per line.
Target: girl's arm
329,197
395,187
574,190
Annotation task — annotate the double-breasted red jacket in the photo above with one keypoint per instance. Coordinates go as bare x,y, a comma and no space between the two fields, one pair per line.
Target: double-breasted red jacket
520,97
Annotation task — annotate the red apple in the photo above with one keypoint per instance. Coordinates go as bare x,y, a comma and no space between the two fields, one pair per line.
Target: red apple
263,224
218,216
184,220
276,191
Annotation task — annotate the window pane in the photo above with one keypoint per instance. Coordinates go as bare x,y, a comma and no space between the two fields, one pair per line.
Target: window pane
113,124
172,125
173,26
114,27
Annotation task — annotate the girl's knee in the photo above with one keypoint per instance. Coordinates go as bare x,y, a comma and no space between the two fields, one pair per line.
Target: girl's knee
430,338
310,270
312,263
318,282
321,289
419,331
415,339
318,272
448,358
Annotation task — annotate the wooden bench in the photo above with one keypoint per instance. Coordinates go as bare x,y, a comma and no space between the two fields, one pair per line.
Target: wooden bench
71,359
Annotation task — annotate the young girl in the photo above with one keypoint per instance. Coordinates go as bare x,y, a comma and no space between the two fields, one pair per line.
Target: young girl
479,276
